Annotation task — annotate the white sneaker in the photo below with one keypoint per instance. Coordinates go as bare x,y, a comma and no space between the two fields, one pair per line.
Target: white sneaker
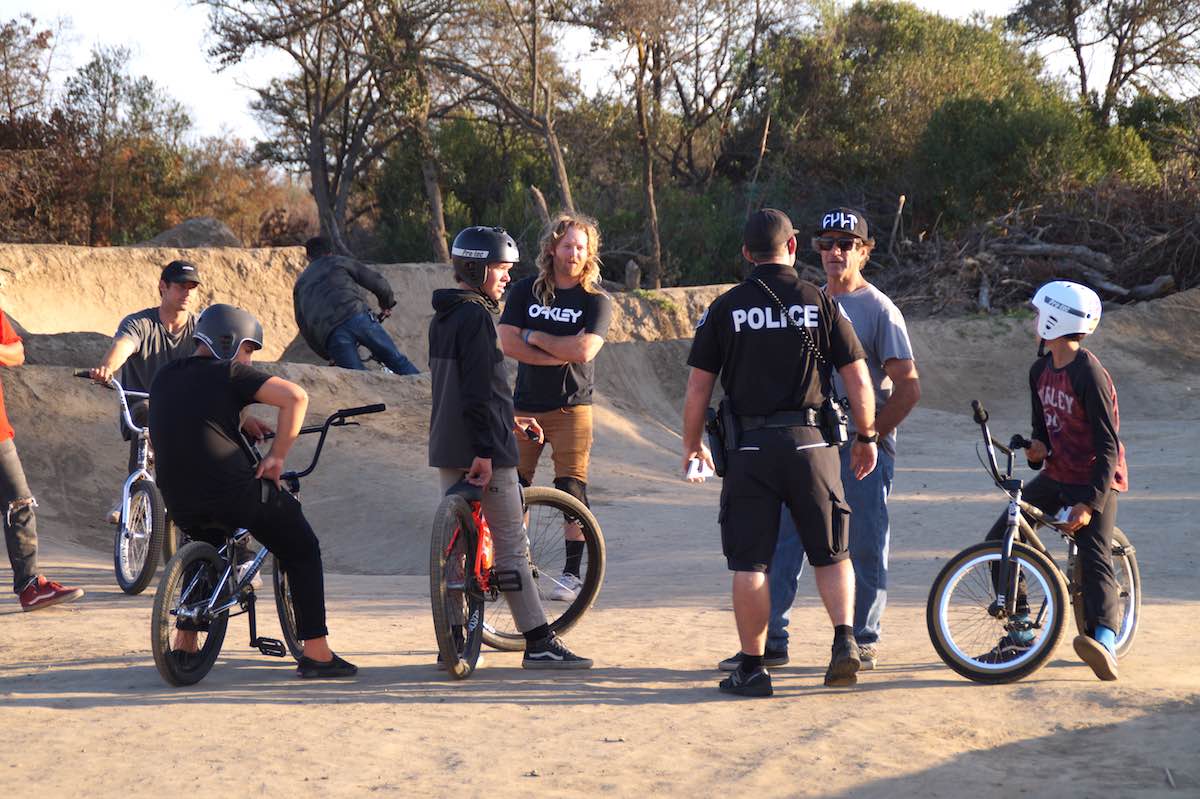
565,588
255,583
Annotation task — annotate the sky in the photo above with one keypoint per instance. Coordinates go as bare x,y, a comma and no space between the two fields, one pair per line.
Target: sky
168,40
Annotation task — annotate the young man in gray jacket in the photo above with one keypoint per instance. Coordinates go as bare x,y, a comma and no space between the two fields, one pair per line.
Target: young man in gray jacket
472,422
333,315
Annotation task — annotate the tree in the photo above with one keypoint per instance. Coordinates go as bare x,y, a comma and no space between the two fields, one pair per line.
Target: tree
1151,43
26,62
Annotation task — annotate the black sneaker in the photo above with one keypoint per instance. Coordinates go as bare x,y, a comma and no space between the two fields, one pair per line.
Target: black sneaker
310,669
771,659
552,653
756,683
1007,650
844,664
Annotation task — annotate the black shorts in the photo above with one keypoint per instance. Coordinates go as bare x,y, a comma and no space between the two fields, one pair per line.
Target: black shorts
767,472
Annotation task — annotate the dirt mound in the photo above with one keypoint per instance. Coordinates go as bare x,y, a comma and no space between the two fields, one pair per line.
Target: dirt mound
200,232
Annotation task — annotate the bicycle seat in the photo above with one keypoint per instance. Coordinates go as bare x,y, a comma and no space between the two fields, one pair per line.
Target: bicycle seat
471,493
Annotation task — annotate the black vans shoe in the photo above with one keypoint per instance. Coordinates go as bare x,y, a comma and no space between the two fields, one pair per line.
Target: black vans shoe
771,659
844,664
552,653
756,683
310,669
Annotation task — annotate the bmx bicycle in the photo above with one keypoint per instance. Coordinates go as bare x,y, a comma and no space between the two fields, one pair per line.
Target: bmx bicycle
463,579
974,600
144,529
201,589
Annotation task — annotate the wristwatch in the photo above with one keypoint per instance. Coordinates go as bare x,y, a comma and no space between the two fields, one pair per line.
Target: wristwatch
871,439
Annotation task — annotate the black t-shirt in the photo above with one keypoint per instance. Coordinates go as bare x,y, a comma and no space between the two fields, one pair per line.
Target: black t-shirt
763,362
545,388
202,460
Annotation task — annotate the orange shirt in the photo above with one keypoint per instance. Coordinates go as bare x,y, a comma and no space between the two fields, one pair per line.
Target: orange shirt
7,336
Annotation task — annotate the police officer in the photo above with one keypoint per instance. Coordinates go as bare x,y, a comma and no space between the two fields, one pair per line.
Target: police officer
775,451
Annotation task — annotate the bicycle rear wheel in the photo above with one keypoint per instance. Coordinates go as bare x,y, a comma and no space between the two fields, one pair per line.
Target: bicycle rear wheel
179,605
139,538
287,612
1129,592
454,595
548,511
974,640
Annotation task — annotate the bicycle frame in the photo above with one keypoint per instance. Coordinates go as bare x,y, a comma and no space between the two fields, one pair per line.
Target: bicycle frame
1018,525
484,560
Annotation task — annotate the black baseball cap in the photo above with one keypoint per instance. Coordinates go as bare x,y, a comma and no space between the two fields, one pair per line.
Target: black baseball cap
766,230
844,220
180,272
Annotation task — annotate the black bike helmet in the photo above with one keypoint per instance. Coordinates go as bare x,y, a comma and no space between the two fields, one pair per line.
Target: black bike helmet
476,247
224,328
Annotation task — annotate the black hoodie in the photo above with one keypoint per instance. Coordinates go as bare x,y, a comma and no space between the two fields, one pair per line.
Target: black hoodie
472,415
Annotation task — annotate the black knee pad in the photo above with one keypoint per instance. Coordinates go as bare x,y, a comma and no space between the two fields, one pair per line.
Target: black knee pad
576,488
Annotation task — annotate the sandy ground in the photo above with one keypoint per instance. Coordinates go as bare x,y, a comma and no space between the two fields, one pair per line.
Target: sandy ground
91,716
88,715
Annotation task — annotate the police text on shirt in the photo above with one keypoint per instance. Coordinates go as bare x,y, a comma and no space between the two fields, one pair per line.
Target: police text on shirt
771,318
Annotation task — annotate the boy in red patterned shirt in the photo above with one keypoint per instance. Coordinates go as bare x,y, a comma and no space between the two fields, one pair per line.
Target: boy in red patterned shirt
17,502
1075,426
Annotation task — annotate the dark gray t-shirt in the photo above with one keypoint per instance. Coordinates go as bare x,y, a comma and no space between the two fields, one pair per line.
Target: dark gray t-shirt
881,329
155,347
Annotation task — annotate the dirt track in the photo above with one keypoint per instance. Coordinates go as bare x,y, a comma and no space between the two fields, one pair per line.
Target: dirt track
90,716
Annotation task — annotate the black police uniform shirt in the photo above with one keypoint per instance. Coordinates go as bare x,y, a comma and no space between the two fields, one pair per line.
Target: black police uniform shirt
545,388
762,360
201,459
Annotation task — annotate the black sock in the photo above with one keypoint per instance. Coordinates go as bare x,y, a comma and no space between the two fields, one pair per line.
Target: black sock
574,557
750,663
843,631
537,633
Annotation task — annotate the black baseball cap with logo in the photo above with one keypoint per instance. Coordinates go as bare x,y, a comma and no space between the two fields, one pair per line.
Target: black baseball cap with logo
844,220
180,272
767,230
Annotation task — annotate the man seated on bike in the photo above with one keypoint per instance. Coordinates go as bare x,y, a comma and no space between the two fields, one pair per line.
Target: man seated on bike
1075,427
207,472
472,422
333,315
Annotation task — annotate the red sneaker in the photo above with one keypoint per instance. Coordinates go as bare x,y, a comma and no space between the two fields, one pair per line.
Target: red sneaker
42,593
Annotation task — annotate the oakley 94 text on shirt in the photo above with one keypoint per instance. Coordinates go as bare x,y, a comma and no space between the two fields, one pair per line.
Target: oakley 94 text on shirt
545,388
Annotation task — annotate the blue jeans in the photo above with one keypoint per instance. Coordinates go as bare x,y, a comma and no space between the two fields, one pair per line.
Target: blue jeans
870,538
363,329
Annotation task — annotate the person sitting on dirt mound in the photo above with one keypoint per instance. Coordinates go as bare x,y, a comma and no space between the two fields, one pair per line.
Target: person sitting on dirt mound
207,471
472,422
1075,427
20,526
333,315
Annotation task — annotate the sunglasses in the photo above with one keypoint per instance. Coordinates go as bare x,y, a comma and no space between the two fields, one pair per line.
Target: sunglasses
825,244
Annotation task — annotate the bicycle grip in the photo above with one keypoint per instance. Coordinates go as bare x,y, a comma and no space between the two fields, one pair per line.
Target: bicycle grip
981,414
359,411
1019,441
84,373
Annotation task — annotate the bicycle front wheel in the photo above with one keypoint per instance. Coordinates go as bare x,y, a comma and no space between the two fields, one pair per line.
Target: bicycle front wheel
139,538
455,597
550,516
976,639
180,605
287,611
1129,592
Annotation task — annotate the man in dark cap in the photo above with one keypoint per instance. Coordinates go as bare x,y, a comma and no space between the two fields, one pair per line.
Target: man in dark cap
776,340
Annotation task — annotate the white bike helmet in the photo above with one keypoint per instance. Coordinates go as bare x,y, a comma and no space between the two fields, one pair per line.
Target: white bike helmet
1064,308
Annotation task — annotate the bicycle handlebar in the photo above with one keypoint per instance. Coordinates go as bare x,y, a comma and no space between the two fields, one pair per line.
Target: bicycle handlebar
123,393
335,419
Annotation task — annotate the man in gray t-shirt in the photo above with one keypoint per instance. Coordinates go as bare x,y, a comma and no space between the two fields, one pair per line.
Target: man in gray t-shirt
147,340
845,248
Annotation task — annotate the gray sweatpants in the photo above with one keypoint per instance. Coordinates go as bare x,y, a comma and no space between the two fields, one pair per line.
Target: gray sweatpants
506,519
20,525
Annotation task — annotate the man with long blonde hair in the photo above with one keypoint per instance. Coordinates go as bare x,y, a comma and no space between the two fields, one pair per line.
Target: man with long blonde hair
553,325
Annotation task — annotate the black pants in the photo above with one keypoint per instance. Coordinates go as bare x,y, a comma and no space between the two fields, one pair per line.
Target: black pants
1100,590
274,518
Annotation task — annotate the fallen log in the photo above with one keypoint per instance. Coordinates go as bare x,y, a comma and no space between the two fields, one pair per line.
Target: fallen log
1084,255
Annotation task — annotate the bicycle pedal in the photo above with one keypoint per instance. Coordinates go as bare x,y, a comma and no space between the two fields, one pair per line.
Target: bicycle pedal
270,646
507,580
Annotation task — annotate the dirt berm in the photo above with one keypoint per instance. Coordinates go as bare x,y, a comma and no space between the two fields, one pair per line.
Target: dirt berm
372,497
